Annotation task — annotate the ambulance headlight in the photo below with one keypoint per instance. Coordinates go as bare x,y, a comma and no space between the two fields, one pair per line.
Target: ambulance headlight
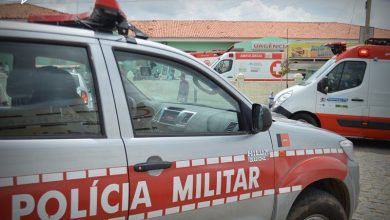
347,146
282,98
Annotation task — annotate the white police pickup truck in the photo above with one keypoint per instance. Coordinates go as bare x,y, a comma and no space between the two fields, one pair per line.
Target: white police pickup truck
166,137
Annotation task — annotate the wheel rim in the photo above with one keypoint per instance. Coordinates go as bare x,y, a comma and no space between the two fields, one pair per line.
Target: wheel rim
316,217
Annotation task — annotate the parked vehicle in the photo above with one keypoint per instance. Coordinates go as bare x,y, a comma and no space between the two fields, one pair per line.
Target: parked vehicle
208,57
349,94
187,147
256,66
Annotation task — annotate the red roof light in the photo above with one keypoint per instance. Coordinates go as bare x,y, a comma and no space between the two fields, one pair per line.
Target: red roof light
111,4
363,52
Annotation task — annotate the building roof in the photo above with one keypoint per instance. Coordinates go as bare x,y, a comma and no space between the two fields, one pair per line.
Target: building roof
17,11
216,30
210,29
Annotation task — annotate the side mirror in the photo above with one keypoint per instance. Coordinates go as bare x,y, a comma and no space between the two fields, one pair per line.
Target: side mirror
261,118
322,85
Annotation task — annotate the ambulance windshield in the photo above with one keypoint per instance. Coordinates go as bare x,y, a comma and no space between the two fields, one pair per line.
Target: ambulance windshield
319,72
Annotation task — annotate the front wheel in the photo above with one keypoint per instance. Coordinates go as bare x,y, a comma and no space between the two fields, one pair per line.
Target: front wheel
304,117
316,205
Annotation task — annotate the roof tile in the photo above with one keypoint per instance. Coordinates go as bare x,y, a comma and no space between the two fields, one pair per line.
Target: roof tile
210,29
23,11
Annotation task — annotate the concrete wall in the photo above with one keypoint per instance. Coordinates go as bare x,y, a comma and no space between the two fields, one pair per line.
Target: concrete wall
200,46
259,91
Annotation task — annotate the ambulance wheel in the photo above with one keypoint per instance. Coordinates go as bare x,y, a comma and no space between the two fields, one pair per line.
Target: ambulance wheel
316,205
305,118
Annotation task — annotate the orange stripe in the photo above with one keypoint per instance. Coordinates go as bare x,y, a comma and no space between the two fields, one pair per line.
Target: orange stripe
329,122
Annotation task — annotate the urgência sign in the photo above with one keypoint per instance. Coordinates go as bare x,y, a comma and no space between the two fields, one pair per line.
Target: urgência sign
270,46
266,44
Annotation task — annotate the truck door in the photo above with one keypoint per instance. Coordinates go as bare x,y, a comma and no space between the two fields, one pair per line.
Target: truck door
344,106
61,158
188,154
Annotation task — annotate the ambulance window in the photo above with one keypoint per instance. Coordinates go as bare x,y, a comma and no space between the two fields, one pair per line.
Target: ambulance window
334,78
224,66
353,75
49,91
346,75
166,98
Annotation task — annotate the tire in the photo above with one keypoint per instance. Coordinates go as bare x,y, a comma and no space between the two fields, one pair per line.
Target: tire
305,118
316,204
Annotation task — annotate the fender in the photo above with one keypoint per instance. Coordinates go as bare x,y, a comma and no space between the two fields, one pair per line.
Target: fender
313,169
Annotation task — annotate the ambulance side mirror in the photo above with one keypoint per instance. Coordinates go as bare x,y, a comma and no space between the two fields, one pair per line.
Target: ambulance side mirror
322,85
261,118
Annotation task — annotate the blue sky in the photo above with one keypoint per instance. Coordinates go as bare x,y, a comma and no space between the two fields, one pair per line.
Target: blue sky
343,11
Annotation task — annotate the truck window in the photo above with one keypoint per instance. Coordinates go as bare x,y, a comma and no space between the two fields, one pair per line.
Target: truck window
224,66
43,98
181,102
346,75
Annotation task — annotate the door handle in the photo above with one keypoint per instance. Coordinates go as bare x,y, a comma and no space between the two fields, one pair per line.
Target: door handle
143,167
357,100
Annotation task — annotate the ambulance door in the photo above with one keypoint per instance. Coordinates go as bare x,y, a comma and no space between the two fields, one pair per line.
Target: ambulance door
343,105
378,121
60,157
189,156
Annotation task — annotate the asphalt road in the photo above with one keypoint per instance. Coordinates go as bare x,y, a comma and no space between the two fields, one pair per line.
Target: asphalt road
374,159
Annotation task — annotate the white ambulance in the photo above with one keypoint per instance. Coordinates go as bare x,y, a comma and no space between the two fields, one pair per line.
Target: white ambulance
256,66
350,94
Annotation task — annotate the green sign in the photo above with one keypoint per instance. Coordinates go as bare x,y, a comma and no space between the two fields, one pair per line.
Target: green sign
267,44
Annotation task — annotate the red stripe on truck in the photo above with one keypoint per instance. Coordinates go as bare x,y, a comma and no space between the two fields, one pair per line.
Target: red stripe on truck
188,185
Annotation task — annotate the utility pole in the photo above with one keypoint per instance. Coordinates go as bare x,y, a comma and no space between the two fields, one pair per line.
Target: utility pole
367,25
287,62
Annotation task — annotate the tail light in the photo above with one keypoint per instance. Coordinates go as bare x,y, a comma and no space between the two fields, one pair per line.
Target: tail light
84,97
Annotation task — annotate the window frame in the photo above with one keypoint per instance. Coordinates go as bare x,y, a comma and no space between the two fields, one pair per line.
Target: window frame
342,73
102,134
242,120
